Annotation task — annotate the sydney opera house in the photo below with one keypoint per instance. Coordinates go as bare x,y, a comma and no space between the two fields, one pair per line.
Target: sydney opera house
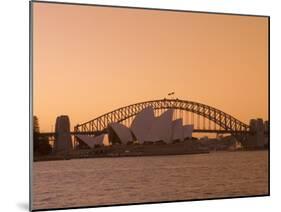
145,128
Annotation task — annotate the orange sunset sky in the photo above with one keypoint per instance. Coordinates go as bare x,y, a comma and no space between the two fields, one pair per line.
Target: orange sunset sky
91,60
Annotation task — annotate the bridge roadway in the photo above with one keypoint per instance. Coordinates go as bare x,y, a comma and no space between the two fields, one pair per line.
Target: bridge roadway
51,134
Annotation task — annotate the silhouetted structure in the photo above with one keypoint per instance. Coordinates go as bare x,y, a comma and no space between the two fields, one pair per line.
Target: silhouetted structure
258,136
63,142
209,119
161,121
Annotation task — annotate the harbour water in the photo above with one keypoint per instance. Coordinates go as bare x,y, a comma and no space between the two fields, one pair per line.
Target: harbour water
106,181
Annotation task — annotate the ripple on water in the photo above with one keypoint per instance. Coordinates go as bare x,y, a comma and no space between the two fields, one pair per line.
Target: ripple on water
87,182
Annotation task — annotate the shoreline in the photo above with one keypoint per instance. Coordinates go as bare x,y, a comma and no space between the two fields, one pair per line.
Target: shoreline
78,155
57,157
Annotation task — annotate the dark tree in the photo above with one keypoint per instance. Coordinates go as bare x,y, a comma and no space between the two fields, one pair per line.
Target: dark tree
36,132
36,128
44,147
41,144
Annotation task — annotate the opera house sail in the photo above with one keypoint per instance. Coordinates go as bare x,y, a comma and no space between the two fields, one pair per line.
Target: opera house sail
145,128
92,141
142,123
161,128
177,130
119,133
187,131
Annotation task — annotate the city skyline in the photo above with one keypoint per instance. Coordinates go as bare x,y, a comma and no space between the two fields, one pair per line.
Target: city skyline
91,60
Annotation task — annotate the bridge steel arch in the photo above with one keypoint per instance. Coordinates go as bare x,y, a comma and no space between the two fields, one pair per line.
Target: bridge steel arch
224,120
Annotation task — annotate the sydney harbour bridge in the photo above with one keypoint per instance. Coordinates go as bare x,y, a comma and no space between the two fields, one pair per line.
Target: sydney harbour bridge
204,118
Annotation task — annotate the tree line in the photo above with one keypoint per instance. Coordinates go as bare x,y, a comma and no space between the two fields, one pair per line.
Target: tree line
41,145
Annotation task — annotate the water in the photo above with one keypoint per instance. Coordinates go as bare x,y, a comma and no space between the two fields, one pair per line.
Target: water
103,181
